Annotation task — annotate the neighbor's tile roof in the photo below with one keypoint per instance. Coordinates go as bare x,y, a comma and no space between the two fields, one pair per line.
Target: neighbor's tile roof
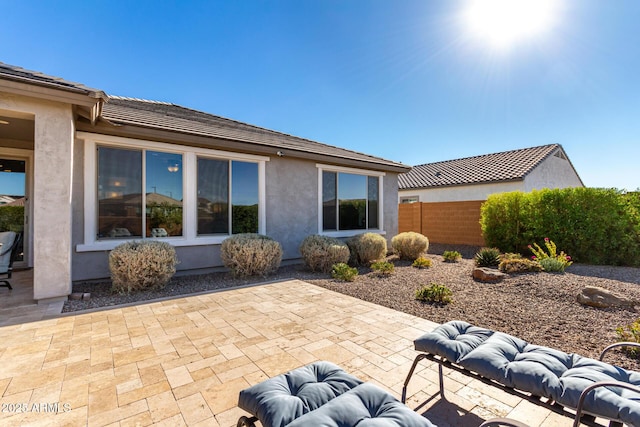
11,72
167,116
506,166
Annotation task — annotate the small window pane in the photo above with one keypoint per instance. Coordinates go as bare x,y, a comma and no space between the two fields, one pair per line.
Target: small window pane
372,201
119,193
163,194
244,197
352,196
213,196
329,201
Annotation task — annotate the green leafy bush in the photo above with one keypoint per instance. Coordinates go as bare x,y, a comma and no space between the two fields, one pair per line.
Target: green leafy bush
434,292
342,271
382,268
421,262
320,253
576,217
451,256
140,265
366,248
410,245
515,263
251,254
487,257
630,333
12,218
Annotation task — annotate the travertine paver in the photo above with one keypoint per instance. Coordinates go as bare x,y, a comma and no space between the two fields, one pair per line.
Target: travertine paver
184,361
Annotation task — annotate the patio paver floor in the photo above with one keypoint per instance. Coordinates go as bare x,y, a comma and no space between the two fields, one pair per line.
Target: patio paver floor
183,361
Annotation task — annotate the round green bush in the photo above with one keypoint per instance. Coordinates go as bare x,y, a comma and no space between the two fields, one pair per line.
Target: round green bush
320,253
251,254
410,245
139,265
366,248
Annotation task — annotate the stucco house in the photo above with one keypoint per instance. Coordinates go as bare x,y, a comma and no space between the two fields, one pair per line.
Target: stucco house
101,169
475,178
443,200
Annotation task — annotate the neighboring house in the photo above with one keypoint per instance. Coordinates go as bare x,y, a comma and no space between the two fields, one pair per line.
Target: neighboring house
101,170
475,178
451,193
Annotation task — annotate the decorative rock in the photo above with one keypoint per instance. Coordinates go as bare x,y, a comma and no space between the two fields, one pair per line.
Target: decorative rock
483,274
602,298
76,296
86,296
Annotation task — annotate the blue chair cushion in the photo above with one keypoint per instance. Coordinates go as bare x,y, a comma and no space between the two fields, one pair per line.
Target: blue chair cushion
281,399
452,340
364,406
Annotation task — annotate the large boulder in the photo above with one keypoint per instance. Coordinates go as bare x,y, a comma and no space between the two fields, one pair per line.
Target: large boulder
483,274
602,298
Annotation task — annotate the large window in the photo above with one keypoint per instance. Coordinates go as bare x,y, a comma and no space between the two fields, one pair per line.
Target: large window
350,201
124,209
221,211
135,189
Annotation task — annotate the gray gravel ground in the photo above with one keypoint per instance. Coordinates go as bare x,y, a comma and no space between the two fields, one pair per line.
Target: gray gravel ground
538,307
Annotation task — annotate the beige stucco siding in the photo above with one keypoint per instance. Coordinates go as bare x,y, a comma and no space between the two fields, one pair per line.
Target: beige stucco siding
462,192
51,198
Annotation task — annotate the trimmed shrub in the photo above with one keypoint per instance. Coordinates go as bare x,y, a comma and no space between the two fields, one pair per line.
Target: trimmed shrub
342,271
594,225
410,245
320,253
515,263
451,256
382,268
251,254
552,265
421,262
487,257
434,293
140,265
366,248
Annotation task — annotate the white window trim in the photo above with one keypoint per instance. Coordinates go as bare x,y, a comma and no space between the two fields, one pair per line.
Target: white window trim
348,233
190,191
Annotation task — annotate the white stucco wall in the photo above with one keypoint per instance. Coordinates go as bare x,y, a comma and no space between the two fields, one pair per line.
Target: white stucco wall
51,198
461,193
553,172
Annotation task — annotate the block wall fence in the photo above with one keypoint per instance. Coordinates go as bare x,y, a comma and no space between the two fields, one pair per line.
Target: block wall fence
454,223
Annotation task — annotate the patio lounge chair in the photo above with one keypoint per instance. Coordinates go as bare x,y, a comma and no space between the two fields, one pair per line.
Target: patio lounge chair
323,395
588,386
8,251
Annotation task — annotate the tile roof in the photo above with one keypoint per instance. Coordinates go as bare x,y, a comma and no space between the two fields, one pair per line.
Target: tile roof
167,116
12,72
498,167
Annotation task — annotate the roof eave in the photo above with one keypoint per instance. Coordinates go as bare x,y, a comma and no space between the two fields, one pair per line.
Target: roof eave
463,184
183,138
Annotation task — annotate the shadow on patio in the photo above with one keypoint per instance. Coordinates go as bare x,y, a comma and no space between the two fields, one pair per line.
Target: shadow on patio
183,361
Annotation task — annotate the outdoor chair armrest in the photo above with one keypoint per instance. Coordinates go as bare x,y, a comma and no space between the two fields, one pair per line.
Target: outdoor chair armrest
503,422
618,344
586,391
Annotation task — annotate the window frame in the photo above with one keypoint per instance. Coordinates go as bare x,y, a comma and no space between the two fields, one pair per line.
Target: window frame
364,172
189,181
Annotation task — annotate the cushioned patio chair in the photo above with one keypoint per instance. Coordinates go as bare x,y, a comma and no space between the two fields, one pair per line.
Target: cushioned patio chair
323,395
8,252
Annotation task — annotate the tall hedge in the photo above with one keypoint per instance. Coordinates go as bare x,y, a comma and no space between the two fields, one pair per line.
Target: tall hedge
593,225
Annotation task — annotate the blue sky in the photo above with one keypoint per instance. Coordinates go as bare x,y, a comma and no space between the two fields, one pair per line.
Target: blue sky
404,80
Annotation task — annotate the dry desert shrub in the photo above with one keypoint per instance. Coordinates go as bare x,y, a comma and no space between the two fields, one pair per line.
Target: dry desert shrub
251,254
410,245
320,253
139,265
366,248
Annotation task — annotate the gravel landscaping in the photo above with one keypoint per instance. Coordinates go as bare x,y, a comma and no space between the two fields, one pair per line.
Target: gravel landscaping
538,307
